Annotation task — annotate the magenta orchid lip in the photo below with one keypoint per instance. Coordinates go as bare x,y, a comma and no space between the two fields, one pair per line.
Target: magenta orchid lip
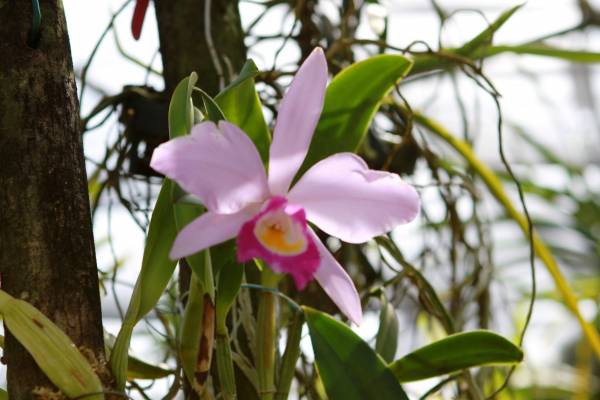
340,195
279,235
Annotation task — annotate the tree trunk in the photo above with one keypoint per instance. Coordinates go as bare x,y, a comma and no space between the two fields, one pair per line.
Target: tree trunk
46,245
192,40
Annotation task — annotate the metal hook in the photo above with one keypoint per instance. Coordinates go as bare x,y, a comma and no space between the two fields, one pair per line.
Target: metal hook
34,34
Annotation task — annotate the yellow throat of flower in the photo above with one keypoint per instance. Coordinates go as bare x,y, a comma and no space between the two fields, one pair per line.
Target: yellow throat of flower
280,234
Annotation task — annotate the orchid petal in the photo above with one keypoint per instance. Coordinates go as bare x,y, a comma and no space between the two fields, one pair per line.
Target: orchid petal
337,283
220,165
346,199
298,116
208,230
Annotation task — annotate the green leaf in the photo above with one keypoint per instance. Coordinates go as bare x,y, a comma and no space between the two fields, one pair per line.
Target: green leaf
191,329
181,109
182,115
455,353
223,255
51,348
213,111
139,369
241,105
249,71
200,263
540,49
351,101
486,36
446,58
386,342
231,275
230,281
349,368
136,368
157,269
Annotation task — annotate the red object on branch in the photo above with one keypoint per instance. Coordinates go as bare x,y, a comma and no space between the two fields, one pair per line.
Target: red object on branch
138,17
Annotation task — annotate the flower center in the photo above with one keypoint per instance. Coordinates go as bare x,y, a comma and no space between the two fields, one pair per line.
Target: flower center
280,233
279,236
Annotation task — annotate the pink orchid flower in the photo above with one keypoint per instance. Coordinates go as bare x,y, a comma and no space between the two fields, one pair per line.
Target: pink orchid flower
340,194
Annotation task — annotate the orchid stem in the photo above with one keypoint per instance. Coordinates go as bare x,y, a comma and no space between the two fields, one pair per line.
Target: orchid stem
225,366
290,356
265,356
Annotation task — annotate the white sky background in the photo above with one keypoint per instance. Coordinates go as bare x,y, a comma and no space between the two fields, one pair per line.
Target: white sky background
549,109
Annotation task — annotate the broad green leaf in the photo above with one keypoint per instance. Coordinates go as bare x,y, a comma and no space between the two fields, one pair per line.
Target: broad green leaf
454,353
241,106
51,348
486,36
157,269
181,109
386,341
349,368
351,101
3,394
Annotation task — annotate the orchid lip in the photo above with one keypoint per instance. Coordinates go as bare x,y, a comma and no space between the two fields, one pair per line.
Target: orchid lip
279,235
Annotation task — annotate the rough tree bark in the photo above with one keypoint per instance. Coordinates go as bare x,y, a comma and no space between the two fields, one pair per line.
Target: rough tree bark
46,246
192,40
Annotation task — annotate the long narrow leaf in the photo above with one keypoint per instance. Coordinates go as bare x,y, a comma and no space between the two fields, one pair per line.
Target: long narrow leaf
157,269
455,353
485,37
540,49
